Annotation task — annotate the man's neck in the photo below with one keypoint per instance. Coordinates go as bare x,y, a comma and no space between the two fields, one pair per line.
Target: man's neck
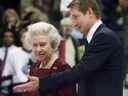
93,21
93,29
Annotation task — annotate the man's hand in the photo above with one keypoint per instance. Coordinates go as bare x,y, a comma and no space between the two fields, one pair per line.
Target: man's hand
31,85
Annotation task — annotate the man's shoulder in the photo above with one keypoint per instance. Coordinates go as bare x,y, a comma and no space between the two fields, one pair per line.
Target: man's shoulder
108,35
103,30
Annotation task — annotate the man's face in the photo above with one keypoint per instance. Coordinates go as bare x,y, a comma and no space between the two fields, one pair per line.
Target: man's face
80,20
8,38
41,48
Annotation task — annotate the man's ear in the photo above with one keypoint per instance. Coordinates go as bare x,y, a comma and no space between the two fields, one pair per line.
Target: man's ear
88,11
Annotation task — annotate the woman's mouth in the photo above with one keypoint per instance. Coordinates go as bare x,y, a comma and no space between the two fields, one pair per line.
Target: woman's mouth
41,54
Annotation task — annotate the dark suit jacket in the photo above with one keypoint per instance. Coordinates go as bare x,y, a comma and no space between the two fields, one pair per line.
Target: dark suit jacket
100,72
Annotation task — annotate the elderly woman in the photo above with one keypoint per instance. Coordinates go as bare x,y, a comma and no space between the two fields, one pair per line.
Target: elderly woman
45,39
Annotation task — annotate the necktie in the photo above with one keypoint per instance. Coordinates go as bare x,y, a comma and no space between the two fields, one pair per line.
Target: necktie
5,56
86,41
5,81
83,41
86,44
1,69
2,63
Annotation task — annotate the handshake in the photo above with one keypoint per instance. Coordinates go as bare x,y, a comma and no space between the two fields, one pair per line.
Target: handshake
31,85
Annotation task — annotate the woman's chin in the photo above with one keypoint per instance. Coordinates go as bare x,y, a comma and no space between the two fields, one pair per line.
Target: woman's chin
40,59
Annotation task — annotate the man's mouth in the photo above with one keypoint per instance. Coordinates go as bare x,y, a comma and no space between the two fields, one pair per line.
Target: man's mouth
79,27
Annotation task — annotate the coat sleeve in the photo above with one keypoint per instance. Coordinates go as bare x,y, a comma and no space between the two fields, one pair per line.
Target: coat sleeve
98,52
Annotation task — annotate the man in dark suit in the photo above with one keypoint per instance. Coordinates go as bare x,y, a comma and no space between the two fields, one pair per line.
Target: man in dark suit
100,72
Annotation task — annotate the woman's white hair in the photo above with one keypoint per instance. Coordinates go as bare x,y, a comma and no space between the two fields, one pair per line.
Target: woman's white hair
43,28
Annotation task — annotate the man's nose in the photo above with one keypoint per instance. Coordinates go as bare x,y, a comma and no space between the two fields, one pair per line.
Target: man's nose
74,23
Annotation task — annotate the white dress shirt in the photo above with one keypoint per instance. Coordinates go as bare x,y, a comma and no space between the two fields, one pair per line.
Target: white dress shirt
93,30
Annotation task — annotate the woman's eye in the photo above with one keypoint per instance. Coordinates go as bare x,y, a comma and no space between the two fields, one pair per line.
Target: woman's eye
35,45
42,44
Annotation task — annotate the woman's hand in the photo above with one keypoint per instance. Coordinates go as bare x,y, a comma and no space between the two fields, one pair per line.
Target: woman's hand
31,85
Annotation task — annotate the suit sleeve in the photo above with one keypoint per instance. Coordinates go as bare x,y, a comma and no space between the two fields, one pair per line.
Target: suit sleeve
98,52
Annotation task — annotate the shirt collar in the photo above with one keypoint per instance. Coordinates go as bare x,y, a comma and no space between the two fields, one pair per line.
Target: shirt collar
10,47
93,30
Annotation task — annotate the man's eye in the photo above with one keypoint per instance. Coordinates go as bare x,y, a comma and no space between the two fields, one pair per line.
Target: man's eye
74,17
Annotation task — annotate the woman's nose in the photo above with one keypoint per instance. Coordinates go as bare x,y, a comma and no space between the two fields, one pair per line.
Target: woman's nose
38,48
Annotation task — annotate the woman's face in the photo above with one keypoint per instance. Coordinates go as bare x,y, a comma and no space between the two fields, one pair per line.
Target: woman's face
41,48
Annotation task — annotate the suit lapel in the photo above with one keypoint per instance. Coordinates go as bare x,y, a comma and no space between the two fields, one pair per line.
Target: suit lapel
99,29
